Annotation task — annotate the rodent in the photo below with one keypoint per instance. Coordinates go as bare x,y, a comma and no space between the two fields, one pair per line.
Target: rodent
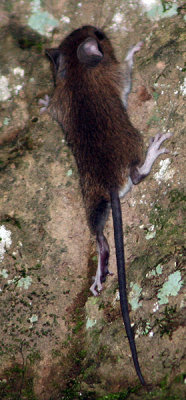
90,104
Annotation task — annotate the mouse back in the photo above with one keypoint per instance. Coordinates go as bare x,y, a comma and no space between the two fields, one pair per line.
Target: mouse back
87,103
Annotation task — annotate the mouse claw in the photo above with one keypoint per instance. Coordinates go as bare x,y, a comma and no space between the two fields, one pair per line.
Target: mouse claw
164,151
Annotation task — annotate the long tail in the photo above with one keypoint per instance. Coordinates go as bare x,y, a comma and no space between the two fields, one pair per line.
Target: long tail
119,244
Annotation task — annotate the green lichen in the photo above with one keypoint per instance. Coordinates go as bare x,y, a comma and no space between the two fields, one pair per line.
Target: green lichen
5,91
135,295
162,10
42,22
159,269
25,282
33,318
150,235
4,273
90,323
170,288
69,172
156,271
6,121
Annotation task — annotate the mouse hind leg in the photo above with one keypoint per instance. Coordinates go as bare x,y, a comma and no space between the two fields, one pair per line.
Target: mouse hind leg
102,268
97,222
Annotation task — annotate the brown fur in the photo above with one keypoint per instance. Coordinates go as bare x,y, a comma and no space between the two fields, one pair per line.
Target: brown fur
88,99
87,103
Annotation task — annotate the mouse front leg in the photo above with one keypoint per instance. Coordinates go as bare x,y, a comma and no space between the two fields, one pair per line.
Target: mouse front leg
129,60
44,103
102,269
154,151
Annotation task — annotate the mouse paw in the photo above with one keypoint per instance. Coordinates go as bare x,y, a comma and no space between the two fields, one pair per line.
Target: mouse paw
154,149
137,47
44,103
153,152
132,51
94,291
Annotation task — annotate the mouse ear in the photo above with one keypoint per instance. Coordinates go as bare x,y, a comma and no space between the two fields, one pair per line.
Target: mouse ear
54,55
89,53
57,60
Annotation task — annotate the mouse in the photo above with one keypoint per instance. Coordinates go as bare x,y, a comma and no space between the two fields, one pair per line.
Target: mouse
89,102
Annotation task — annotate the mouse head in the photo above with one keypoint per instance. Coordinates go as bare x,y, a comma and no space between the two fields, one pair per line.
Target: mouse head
86,47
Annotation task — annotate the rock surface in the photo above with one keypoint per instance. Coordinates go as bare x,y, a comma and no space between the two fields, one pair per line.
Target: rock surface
57,341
